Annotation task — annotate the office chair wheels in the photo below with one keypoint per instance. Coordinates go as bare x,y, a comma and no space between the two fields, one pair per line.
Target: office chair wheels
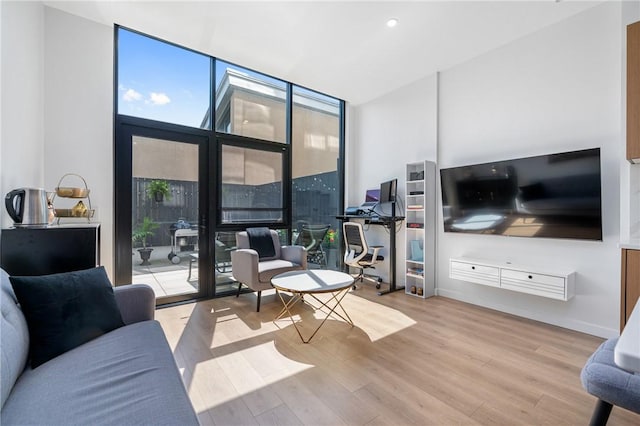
378,283
353,287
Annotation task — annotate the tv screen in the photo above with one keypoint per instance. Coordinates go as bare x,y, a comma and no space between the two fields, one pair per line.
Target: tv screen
388,191
547,196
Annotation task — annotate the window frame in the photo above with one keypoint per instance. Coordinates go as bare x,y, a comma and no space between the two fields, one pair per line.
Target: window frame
228,139
210,202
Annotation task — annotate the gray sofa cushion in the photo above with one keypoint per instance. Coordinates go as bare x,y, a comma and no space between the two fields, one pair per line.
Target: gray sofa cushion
14,337
125,377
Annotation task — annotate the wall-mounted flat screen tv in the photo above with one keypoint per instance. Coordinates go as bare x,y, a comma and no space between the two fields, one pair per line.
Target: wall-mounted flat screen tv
547,196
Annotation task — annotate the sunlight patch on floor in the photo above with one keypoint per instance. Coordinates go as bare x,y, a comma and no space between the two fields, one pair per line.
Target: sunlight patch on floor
376,320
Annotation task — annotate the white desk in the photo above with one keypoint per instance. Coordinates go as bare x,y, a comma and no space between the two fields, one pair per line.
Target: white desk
627,351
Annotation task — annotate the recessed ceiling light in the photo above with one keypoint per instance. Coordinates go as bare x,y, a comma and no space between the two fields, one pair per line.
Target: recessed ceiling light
392,22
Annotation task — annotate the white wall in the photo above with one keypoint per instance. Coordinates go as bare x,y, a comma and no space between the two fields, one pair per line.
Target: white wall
22,87
78,76
555,90
386,134
57,106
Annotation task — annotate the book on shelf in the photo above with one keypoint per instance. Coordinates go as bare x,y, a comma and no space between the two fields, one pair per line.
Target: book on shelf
416,271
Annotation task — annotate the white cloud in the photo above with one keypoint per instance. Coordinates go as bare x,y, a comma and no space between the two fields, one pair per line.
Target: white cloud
131,95
159,98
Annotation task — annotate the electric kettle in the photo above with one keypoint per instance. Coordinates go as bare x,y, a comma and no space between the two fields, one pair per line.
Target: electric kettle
28,207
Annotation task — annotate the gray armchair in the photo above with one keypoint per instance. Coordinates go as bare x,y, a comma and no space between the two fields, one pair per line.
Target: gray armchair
256,273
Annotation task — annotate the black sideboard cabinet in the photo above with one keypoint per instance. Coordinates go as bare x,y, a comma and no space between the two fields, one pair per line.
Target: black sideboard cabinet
51,250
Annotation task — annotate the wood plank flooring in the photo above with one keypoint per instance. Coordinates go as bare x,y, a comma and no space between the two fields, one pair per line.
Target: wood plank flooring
407,361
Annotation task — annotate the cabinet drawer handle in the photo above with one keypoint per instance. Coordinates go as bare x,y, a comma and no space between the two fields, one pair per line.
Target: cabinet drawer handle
473,267
530,277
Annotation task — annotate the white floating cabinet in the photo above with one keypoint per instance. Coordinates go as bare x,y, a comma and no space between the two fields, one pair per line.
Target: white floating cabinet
554,284
475,272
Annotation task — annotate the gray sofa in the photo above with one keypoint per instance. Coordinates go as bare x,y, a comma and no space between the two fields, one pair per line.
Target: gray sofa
125,377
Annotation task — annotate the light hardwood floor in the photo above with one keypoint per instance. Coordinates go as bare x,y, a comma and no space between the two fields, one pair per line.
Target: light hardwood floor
407,361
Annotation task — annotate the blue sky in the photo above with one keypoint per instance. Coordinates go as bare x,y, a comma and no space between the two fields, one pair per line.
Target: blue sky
161,81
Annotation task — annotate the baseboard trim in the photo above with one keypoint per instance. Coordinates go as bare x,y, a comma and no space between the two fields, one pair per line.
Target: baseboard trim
581,326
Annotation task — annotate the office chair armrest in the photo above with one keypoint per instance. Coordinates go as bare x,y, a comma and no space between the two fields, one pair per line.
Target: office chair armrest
295,254
244,264
374,255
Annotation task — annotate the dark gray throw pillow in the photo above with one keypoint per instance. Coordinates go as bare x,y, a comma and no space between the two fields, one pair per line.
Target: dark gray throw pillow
66,310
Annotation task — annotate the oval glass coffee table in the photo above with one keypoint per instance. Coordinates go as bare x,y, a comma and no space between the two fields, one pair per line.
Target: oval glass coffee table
312,283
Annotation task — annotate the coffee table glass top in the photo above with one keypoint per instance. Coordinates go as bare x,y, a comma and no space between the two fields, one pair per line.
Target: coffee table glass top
312,281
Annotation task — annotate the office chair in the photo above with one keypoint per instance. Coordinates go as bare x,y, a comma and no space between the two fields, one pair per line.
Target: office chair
357,253
225,243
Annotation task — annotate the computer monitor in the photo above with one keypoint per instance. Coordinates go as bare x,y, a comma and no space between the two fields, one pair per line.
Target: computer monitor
389,191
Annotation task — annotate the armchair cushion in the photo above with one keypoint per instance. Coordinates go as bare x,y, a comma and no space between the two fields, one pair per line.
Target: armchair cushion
270,268
65,310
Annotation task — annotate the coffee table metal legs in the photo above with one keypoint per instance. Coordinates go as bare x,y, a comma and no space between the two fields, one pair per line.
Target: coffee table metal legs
336,297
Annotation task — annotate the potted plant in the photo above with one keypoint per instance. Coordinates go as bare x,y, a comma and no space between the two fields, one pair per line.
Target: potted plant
141,233
158,189
331,241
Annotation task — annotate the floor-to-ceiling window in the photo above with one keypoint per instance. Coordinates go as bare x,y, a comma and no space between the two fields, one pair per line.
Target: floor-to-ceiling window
316,195
205,148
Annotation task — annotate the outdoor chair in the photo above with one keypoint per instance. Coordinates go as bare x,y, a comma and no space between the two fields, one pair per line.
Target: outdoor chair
225,244
311,238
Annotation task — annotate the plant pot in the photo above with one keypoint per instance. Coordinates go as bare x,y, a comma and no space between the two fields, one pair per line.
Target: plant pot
332,258
145,254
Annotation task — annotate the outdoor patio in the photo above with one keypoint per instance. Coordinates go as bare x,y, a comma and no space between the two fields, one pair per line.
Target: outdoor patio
170,279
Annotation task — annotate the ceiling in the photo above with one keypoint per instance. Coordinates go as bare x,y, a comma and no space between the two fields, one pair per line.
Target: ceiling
342,48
